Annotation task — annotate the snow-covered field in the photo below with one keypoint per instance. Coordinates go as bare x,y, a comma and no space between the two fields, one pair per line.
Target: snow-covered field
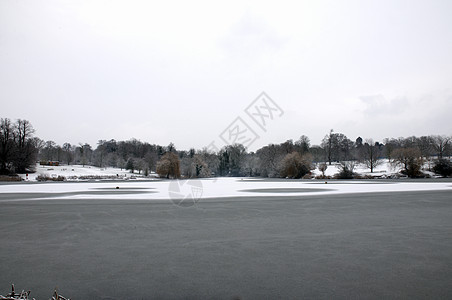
79,172
384,170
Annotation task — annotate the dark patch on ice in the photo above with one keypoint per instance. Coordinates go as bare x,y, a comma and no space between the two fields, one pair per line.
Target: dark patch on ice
122,188
351,181
285,190
322,181
27,196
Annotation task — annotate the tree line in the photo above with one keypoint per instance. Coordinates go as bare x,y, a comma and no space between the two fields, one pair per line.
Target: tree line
18,147
20,150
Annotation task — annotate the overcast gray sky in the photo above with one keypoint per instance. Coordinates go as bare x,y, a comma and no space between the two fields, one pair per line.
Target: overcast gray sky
182,71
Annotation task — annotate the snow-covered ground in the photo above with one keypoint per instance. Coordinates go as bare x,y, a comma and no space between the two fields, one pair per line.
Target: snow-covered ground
212,188
384,170
79,172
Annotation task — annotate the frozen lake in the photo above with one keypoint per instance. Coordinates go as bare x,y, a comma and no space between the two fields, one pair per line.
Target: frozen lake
94,244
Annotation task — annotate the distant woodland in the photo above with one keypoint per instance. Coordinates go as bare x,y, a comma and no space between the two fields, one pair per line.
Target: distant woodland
20,150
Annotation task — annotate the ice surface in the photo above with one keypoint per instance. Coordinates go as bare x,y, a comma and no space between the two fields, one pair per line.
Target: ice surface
213,188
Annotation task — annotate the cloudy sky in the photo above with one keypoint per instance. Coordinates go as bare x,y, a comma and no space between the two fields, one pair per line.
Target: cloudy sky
183,71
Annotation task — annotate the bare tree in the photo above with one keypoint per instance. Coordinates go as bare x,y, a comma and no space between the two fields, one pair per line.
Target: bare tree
303,144
251,164
6,145
232,160
269,158
68,149
322,168
370,153
186,166
100,153
50,150
327,145
25,148
130,165
121,163
342,147
318,153
151,159
425,145
171,147
211,159
410,159
140,165
18,147
440,144
85,152
337,147
287,147
199,167
390,146
24,130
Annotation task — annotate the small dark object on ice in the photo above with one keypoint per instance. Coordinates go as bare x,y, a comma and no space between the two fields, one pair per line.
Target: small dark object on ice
117,187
